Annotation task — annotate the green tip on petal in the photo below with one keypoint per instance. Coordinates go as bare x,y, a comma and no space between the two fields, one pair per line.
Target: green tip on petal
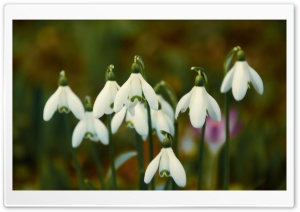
62,80
164,173
63,109
110,75
241,55
88,106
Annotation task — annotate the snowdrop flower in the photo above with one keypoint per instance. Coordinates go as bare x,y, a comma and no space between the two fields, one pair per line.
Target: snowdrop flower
163,118
139,121
132,91
89,127
200,103
239,78
169,165
63,100
105,100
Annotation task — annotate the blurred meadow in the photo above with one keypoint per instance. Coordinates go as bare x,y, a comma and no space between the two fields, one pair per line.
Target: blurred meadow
42,156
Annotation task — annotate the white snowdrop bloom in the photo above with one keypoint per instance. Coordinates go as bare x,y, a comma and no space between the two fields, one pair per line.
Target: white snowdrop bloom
163,118
132,91
105,100
63,100
200,103
239,78
168,164
89,127
139,121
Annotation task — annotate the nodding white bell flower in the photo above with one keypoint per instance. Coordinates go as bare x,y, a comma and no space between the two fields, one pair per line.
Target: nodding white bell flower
132,91
163,118
139,121
89,127
239,78
105,100
200,103
63,100
168,164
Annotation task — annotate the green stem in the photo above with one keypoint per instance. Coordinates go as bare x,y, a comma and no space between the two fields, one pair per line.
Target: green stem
74,154
141,172
78,169
175,149
167,185
152,184
200,158
227,138
89,185
111,154
98,164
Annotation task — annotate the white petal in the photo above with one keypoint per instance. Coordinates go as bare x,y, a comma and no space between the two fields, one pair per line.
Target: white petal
164,163
198,105
140,120
113,91
166,108
149,93
63,101
51,104
122,96
74,104
183,103
135,86
90,123
256,80
240,80
102,101
117,120
131,111
162,124
101,131
131,104
213,108
171,125
153,118
227,81
78,133
176,169
151,169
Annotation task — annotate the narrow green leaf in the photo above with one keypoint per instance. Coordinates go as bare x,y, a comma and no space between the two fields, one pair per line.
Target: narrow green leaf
170,93
120,160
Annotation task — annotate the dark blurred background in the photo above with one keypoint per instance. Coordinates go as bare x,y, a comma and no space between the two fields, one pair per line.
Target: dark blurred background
41,49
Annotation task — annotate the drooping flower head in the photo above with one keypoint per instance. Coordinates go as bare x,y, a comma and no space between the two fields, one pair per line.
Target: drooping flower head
240,76
168,164
139,121
133,90
105,100
89,127
63,100
199,102
163,118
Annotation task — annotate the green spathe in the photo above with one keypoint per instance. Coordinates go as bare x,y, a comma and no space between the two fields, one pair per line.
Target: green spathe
88,106
62,80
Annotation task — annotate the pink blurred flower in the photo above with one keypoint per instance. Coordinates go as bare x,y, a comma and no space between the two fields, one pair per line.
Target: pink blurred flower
215,131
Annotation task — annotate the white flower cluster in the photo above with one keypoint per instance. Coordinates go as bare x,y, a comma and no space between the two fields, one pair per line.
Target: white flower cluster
129,102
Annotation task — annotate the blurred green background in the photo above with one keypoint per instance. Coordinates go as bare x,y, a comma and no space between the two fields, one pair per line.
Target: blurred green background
42,157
